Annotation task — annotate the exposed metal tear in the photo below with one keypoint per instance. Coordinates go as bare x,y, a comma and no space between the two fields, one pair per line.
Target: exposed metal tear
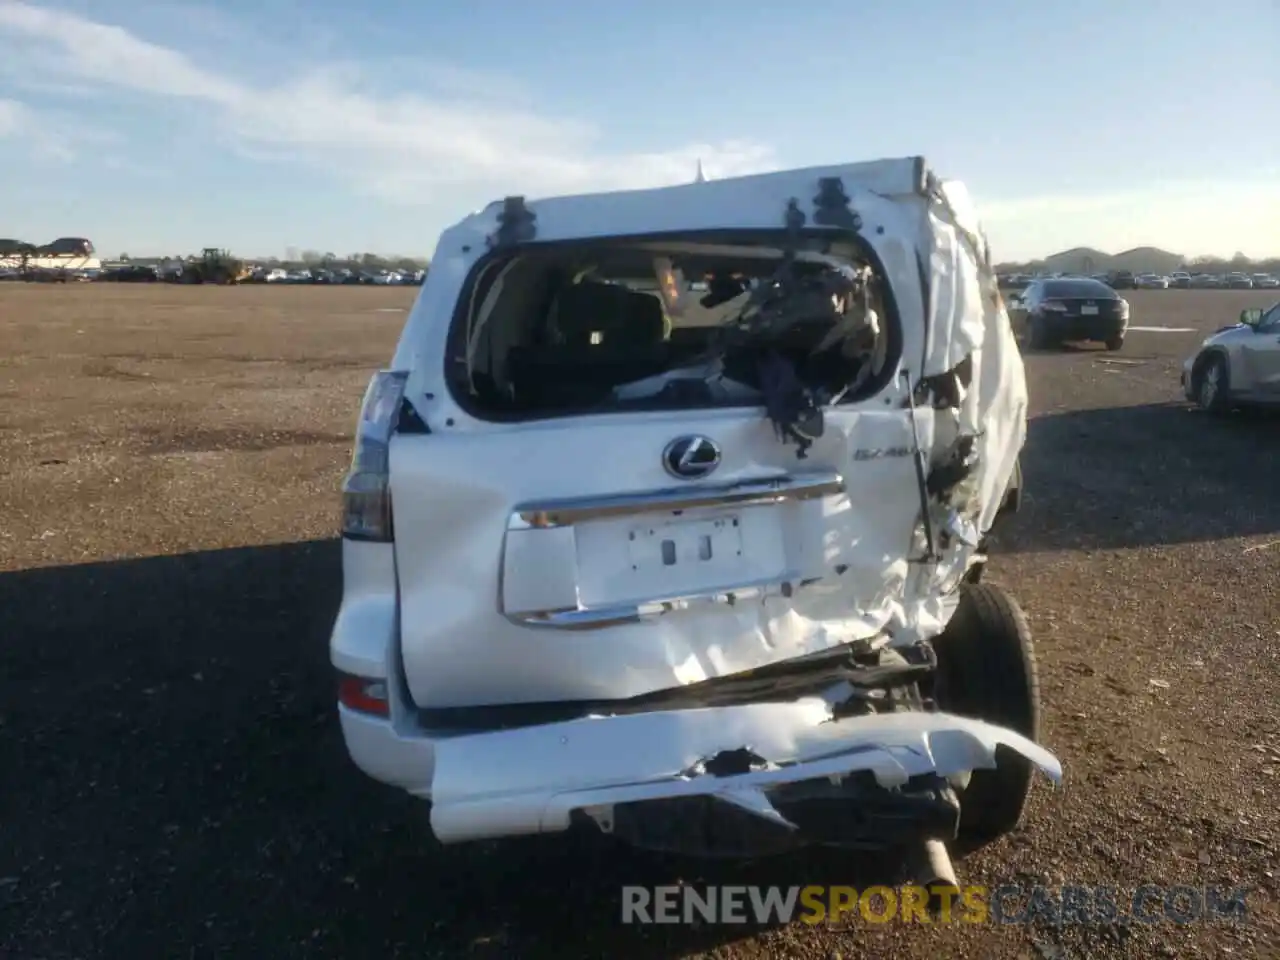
730,763
958,465
962,528
946,390
918,460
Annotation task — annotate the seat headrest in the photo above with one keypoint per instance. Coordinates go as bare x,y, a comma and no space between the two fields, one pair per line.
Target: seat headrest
620,315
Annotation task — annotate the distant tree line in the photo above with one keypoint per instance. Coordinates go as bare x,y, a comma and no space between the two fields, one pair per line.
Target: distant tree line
1237,264
311,259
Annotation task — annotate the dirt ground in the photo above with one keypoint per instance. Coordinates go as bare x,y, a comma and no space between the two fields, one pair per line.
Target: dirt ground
174,779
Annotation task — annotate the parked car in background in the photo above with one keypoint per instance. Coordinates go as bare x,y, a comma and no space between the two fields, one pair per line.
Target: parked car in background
1206,281
1180,280
130,273
1121,280
1264,281
1238,281
1051,312
1150,281
1237,366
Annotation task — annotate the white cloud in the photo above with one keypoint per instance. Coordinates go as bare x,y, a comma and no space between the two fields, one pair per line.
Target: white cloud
43,137
394,144
13,116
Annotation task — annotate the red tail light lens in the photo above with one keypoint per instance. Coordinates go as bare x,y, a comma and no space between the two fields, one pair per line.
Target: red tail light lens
364,695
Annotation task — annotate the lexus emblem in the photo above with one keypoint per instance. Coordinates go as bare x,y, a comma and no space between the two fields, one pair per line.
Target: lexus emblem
690,458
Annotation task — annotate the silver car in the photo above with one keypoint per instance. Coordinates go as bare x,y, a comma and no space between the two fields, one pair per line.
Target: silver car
1237,366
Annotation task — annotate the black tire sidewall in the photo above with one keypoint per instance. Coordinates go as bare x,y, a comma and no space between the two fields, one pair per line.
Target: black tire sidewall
1224,382
987,671
1037,335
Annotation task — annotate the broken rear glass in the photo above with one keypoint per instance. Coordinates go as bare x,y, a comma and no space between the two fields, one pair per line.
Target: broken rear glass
609,326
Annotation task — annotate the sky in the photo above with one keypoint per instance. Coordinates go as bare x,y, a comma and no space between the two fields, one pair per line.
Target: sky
160,127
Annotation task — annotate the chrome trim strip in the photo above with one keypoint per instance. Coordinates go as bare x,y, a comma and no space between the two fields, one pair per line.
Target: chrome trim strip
600,617
751,493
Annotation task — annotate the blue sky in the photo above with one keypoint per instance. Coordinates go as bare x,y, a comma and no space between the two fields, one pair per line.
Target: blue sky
153,126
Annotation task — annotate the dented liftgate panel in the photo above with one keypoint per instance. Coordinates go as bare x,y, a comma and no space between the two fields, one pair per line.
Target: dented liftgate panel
879,555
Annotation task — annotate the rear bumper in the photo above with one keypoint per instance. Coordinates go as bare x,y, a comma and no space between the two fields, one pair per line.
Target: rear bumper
1084,328
643,775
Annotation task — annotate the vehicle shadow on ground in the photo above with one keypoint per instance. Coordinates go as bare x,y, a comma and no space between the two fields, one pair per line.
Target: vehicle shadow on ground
177,786
1124,477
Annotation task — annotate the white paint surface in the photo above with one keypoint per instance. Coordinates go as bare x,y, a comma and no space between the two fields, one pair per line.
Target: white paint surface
1162,329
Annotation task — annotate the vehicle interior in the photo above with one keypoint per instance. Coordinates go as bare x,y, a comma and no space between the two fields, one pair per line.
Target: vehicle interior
572,328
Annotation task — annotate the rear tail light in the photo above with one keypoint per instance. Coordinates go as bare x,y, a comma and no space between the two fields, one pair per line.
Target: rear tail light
1124,309
1054,306
364,695
366,491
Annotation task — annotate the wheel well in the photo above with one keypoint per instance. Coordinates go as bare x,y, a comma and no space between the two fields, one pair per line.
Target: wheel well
1202,361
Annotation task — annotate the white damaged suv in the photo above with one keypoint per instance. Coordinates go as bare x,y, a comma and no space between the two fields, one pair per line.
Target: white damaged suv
668,516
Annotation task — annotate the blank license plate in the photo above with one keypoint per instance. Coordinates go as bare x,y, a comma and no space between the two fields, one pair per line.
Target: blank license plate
705,543
1088,311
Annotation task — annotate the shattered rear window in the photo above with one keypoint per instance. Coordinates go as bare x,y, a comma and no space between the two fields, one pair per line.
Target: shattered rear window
610,326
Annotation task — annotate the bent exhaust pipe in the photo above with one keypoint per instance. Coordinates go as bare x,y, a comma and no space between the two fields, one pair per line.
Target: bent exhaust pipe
930,866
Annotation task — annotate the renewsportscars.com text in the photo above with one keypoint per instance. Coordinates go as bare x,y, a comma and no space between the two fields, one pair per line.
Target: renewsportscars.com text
970,904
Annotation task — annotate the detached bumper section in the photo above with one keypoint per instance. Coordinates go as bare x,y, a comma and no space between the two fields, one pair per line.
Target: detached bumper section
728,780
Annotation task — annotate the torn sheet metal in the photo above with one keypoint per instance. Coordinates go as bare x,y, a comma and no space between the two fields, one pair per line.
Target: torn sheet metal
969,327
530,780
974,380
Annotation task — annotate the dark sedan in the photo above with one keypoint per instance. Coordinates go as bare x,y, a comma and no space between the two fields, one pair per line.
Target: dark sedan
1052,312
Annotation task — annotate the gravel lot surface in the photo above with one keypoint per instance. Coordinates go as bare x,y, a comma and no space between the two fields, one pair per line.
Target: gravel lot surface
174,779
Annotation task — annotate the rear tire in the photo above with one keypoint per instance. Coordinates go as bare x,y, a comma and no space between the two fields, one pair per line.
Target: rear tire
1037,334
1114,343
987,671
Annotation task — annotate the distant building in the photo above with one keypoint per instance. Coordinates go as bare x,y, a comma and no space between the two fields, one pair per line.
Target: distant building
1087,260
1148,260
1079,260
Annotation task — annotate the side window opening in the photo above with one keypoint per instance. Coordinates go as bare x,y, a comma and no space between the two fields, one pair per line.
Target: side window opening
608,326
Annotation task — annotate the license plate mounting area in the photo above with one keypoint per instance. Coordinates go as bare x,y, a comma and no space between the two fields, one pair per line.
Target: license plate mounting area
704,544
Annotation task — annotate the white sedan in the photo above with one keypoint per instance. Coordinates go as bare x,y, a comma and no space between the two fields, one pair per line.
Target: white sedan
1150,281
1238,366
